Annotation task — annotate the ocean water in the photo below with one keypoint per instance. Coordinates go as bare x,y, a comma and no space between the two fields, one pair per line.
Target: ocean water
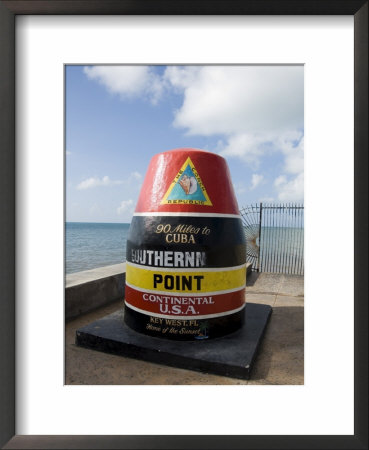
282,250
92,245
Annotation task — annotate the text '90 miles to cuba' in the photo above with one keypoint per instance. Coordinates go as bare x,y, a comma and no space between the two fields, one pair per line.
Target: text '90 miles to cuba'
184,234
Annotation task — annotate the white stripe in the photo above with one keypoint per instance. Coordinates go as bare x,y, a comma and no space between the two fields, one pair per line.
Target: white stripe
190,214
186,269
204,316
187,294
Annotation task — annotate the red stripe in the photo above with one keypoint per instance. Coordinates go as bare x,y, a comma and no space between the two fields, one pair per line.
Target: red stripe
184,306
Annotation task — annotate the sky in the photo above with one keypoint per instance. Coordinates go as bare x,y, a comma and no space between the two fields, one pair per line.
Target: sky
118,117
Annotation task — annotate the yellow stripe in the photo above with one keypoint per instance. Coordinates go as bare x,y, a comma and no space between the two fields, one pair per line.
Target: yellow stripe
162,280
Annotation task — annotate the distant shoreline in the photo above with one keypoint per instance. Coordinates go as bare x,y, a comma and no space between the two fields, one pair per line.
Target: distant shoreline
103,223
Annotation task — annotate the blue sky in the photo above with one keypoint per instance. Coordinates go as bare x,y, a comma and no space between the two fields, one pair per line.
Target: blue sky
118,117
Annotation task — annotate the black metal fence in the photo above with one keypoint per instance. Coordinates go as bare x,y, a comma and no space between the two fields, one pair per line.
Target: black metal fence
275,237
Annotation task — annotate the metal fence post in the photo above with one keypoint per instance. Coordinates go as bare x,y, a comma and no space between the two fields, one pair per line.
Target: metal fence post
260,218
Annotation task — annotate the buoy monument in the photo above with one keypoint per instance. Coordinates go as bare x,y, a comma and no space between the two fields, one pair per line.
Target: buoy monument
186,250
185,274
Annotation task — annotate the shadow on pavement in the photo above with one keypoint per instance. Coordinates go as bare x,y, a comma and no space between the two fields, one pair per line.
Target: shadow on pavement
252,278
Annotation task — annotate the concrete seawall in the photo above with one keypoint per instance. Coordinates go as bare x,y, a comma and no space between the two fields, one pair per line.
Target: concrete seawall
88,290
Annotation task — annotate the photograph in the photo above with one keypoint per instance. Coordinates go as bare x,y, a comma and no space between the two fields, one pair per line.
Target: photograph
177,179
184,224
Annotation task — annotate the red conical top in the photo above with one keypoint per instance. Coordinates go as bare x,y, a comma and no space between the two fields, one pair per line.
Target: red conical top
187,180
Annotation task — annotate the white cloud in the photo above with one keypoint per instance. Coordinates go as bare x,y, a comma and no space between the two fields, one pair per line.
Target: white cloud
239,188
290,186
68,153
124,206
290,190
181,77
256,179
135,176
253,110
239,99
256,111
244,146
280,181
230,100
95,182
128,81
266,199
106,181
292,146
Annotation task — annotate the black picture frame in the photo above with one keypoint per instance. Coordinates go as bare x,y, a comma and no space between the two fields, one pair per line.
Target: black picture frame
8,12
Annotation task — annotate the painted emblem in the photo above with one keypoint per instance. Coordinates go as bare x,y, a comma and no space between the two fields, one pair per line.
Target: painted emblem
187,188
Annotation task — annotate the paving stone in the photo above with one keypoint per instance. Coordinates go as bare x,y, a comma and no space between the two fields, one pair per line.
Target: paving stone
264,299
291,285
282,300
265,282
283,365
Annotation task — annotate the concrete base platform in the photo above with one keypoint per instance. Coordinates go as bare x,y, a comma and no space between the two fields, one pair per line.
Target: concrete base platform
232,355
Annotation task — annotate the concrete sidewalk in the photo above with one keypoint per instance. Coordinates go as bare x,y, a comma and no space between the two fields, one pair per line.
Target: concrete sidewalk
280,359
